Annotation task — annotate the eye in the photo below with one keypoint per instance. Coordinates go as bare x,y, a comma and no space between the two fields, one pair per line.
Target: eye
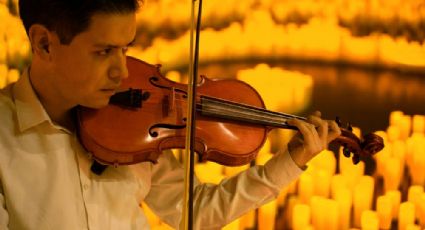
104,52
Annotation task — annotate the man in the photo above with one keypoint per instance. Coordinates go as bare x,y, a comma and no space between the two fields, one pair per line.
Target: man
79,52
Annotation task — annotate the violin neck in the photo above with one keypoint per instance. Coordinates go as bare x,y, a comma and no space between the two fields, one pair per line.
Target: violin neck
219,108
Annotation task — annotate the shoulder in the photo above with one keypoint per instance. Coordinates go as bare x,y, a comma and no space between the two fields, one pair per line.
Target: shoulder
7,116
7,106
6,95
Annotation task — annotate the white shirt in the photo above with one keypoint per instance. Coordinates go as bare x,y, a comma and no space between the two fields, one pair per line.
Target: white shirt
46,182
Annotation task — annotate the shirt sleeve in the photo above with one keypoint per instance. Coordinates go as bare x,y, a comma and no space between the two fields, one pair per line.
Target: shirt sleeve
4,216
218,205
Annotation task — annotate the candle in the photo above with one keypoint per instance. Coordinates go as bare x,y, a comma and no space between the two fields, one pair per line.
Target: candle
338,182
382,159
305,187
282,197
392,174
406,215
12,50
267,216
325,161
417,167
405,126
421,210
332,214
413,227
3,51
263,157
395,117
209,172
232,171
12,76
291,202
384,211
418,124
394,133
351,172
322,185
318,216
247,221
369,220
301,217
413,144
395,196
362,198
399,151
344,198
414,195
234,225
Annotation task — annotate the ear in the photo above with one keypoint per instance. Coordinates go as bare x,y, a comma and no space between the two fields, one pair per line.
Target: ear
41,40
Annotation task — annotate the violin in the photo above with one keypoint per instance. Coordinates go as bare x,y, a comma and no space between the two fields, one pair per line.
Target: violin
147,116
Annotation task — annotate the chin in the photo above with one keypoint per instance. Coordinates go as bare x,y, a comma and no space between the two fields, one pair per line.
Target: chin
96,104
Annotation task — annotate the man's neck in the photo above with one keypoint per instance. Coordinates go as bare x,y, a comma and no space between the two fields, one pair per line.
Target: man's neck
58,112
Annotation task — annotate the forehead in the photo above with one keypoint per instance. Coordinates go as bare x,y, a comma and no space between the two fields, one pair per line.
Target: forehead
113,29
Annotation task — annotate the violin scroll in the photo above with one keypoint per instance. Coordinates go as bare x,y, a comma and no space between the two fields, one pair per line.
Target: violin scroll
369,145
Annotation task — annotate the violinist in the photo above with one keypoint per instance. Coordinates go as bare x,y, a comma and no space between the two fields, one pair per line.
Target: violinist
79,59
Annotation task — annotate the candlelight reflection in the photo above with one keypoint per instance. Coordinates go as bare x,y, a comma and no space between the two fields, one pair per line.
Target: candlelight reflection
361,60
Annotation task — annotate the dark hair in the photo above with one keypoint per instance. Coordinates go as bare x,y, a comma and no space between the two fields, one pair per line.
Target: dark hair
68,18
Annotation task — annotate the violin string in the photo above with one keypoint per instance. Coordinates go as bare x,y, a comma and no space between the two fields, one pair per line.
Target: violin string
247,107
251,108
243,106
245,111
234,111
239,114
256,119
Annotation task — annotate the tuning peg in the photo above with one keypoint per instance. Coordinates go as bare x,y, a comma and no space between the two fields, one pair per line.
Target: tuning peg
350,127
346,152
356,159
338,121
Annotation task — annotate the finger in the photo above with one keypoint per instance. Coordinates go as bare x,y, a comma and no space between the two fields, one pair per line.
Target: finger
317,113
307,130
322,128
334,131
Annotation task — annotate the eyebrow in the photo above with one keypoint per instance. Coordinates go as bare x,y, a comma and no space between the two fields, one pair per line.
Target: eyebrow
115,46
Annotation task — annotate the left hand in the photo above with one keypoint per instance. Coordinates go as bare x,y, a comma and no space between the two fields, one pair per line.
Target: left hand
313,136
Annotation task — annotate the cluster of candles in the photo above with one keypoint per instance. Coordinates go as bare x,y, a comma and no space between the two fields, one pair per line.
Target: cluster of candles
214,14
393,196
390,197
257,28
14,46
258,34
335,194
294,89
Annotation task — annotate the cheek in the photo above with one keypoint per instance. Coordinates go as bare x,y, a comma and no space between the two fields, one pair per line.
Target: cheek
83,76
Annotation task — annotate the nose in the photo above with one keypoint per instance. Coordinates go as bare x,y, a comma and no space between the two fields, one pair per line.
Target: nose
118,70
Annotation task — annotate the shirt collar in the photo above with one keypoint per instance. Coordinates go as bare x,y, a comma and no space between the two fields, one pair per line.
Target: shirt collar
30,111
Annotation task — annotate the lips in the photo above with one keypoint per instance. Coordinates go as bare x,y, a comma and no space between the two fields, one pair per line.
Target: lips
109,92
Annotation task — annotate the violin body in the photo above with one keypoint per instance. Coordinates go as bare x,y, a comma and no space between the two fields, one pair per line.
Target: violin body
117,135
149,116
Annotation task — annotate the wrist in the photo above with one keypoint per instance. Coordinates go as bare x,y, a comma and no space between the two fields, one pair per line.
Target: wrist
298,156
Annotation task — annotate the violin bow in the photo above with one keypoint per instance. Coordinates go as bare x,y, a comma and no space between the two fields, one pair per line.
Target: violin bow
187,213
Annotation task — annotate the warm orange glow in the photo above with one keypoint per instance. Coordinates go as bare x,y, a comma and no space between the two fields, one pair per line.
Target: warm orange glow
268,31
369,33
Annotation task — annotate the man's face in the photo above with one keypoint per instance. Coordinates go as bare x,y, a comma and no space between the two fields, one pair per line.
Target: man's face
90,69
